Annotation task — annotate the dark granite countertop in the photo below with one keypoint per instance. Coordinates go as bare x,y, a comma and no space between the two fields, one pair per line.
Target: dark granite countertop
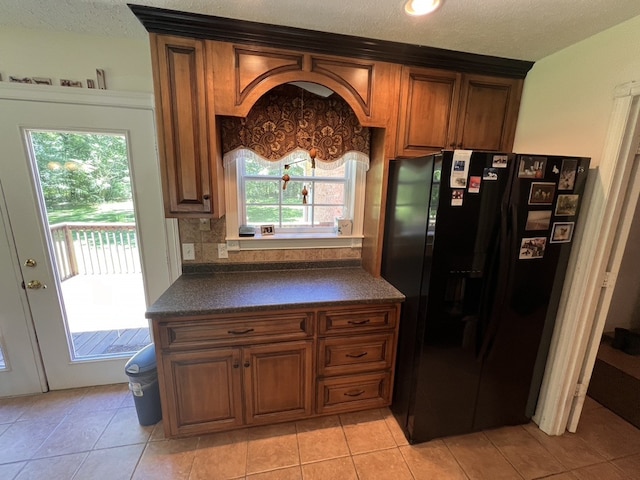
243,291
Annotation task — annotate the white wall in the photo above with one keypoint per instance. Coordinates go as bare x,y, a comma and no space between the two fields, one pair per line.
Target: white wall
568,96
57,55
566,104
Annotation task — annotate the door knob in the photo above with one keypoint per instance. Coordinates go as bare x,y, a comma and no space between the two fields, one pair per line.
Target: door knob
30,262
35,285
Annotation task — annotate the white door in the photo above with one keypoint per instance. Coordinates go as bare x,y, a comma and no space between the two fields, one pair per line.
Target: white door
99,113
20,371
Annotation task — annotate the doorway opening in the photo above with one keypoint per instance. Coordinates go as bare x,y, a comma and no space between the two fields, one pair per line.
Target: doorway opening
86,198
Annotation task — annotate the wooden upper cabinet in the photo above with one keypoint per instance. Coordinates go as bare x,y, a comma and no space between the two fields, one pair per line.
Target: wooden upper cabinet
488,113
188,142
245,73
446,110
428,110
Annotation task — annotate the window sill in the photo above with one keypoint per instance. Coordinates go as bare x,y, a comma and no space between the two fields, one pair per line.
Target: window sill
293,242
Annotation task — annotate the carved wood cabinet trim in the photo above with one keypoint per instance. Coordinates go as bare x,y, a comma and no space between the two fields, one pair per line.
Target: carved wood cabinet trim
254,66
245,74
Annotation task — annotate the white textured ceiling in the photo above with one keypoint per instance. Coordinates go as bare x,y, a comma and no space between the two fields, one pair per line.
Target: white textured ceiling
519,29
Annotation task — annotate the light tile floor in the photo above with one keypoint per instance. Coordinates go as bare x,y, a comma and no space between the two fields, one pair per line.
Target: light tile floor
93,433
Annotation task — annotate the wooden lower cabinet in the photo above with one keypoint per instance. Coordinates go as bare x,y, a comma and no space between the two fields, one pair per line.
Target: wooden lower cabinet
278,381
273,366
223,388
203,391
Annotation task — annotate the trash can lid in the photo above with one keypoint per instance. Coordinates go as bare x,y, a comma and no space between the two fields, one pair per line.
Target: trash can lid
142,362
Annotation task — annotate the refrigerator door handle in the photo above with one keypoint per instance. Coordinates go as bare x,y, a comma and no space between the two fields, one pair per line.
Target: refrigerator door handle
505,249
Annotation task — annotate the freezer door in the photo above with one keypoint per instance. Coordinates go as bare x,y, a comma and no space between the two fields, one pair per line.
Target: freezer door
403,257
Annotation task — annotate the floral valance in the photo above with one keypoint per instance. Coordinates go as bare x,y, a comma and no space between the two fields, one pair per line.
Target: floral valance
288,121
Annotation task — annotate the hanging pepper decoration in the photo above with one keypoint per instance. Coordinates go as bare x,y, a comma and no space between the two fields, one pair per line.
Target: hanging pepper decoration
304,192
285,177
312,153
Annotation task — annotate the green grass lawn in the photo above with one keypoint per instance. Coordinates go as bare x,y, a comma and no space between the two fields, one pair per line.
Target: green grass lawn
117,212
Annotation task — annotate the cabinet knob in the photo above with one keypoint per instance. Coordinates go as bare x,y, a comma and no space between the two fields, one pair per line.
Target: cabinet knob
247,364
236,365
206,197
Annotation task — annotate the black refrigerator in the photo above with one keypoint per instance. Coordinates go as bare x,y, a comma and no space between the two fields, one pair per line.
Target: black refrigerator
479,244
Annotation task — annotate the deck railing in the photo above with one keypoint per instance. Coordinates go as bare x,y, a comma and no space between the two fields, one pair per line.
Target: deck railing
95,249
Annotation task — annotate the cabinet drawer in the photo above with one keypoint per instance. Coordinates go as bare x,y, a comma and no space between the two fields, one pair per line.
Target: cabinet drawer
355,392
357,320
233,331
345,355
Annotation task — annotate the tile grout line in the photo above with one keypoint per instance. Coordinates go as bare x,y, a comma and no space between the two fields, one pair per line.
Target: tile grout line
504,456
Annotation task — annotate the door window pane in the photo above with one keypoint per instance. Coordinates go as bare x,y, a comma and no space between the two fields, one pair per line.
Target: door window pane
85,183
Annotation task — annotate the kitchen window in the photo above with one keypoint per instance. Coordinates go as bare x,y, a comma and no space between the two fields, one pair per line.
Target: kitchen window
302,211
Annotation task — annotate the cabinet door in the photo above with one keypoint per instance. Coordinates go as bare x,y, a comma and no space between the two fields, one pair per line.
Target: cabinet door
428,110
278,381
488,113
186,133
203,390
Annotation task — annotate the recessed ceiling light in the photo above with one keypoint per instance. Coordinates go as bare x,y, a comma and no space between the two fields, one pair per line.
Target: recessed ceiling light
422,7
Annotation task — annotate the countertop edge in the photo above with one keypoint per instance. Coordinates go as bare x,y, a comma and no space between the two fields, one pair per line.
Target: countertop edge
257,308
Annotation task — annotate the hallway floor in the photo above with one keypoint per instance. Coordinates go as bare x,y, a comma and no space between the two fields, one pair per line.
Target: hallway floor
93,433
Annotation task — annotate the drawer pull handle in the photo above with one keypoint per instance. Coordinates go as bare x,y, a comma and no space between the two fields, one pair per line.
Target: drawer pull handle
354,394
356,355
236,365
359,322
240,332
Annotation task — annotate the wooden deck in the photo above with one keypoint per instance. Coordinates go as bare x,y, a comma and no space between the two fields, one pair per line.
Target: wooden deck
110,342
105,314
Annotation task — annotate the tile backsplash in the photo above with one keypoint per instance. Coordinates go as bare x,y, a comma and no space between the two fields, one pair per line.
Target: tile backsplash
206,247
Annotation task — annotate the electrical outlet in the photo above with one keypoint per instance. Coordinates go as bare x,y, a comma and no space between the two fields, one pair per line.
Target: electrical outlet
188,251
205,225
222,250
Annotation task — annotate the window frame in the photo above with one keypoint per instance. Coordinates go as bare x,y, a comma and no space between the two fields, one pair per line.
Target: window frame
292,239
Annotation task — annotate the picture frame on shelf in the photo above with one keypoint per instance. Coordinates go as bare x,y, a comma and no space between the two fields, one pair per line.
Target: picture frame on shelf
267,230
70,83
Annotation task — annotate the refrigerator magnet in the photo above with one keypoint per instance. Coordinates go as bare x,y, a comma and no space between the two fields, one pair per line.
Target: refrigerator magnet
567,205
490,174
542,193
562,232
460,168
500,161
567,174
538,220
474,184
531,167
457,197
531,248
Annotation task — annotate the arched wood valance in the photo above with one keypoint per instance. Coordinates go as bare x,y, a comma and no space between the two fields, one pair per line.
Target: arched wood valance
290,120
